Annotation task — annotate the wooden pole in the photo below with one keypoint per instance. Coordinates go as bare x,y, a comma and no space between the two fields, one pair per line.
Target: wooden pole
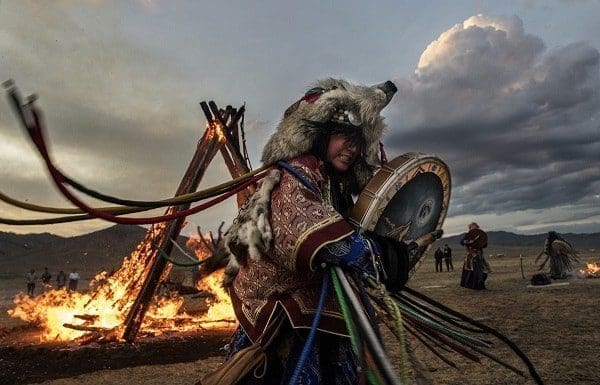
231,153
207,148
217,137
522,272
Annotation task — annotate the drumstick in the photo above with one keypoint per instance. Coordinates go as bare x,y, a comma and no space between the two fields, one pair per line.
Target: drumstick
425,240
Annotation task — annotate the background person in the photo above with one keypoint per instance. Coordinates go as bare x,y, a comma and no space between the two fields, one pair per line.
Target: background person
31,278
475,269
46,276
61,280
73,280
561,255
439,257
448,257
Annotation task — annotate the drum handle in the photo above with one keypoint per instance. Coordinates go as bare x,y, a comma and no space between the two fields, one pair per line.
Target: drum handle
425,240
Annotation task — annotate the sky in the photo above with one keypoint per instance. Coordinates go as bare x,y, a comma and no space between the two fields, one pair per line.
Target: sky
506,93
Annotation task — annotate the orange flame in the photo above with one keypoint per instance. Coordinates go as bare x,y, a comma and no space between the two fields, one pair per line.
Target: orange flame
592,270
219,130
213,129
105,306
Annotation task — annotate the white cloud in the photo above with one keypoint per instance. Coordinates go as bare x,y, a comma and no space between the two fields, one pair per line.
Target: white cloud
518,124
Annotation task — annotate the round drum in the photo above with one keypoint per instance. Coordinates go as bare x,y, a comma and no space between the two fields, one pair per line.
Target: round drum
406,198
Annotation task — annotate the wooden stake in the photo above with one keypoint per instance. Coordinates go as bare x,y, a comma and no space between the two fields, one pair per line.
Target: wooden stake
217,137
522,272
205,152
231,153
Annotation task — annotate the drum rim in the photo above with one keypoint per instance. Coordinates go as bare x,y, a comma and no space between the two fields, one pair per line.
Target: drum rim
375,189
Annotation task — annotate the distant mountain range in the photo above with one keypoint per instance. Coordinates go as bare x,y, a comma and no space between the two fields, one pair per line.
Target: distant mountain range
93,252
105,249
504,240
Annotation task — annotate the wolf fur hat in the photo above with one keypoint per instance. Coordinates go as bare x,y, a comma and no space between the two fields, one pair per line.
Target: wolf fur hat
333,100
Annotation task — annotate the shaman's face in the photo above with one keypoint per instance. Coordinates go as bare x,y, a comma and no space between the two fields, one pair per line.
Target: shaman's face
341,152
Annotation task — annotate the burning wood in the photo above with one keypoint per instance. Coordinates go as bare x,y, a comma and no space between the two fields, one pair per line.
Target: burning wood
87,328
87,317
103,309
592,270
98,314
119,305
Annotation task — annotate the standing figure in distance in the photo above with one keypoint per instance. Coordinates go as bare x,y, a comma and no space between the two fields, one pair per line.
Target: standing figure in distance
475,268
448,257
439,257
61,280
46,277
73,280
31,278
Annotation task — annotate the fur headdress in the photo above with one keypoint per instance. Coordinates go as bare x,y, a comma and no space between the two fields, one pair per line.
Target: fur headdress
333,100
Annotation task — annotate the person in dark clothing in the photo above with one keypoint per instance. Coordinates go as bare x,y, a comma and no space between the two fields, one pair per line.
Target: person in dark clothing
46,276
448,257
475,268
61,280
439,256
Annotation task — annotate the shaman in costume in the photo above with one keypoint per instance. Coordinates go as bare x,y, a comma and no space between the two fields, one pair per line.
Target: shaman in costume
560,254
295,225
475,267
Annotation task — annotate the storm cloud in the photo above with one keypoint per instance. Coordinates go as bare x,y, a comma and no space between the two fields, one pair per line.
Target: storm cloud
518,124
515,117
117,118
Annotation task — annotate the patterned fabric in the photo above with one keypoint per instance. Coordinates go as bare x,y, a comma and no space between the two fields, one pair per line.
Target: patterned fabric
353,252
475,267
307,230
302,223
331,360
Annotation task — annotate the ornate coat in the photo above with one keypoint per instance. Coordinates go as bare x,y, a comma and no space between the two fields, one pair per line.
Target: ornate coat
286,276
475,241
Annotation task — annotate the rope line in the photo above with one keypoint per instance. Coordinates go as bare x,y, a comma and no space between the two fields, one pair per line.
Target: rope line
313,331
531,368
180,199
373,345
164,255
95,214
32,121
194,259
354,340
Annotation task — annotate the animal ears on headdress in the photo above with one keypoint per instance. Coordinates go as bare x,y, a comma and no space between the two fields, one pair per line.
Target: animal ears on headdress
332,100
341,115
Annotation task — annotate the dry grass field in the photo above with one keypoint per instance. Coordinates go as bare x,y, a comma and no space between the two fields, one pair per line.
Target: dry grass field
557,327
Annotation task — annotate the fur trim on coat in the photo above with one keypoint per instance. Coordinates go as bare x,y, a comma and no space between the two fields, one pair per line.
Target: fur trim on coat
250,234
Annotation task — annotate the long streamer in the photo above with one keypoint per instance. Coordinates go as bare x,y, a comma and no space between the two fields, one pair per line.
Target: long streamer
379,356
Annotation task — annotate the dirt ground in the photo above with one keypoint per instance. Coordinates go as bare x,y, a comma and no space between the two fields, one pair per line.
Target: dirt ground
557,327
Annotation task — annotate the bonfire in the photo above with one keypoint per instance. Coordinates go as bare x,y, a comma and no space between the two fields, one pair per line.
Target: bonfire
592,270
118,306
100,313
